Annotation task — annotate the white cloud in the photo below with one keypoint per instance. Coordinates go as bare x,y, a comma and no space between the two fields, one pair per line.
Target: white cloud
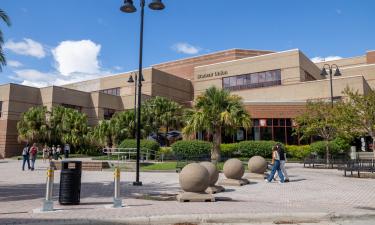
14,63
77,57
186,48
117,67
325,59
27,47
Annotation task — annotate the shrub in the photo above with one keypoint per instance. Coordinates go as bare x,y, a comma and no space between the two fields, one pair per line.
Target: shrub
191,149
229,150
166,152
298,151
145,144
336,147
253,148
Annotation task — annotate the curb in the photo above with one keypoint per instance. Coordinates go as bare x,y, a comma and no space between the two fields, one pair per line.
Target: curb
281,218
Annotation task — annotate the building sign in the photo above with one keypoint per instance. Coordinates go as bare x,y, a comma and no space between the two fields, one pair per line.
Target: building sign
262,122
213,74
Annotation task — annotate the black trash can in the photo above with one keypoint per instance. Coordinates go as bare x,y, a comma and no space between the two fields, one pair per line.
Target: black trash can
70,182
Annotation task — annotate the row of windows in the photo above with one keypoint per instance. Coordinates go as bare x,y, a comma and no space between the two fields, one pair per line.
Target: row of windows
76,107
253,80
112,91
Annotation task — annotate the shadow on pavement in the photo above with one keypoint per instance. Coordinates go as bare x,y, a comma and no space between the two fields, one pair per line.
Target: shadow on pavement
20,192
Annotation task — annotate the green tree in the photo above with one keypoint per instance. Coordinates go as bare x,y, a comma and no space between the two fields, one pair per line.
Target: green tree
33,126
357,114
319,119
74,127
215,110
4,17
161,112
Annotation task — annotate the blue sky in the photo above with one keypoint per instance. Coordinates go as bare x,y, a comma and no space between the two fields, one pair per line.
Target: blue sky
55,42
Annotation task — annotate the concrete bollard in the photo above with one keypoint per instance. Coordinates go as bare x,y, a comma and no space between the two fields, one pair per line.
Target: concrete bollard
117,201
48,202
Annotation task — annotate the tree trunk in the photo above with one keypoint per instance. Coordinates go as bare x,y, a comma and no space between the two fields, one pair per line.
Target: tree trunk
215,154
327,152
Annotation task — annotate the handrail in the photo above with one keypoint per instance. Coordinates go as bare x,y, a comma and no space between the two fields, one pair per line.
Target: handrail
129,151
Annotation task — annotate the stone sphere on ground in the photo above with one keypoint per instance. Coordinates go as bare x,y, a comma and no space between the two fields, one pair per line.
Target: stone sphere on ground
194,178
233,169
257,164
213,173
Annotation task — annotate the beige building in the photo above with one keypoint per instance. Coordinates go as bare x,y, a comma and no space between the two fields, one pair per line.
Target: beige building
274,87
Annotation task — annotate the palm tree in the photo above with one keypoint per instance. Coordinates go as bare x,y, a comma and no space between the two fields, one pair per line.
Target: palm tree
33,126
215,110
75,127
4,17
162,112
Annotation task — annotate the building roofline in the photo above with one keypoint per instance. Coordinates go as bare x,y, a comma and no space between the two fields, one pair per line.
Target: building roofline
257,56
212,53
362,65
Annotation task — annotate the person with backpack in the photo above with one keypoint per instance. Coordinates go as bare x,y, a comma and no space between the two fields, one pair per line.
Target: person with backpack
25,156
33,154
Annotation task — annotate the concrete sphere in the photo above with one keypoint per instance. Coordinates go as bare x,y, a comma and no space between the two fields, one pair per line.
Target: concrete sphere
212,171
257,164
233,169
193,178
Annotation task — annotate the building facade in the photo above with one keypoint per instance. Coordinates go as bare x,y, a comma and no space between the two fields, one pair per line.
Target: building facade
274,87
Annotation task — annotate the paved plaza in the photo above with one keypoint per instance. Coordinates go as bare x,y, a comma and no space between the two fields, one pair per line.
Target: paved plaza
313,195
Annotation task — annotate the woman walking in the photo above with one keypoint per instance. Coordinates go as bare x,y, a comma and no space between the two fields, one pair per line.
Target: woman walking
45,153
283,160
33,155
276,166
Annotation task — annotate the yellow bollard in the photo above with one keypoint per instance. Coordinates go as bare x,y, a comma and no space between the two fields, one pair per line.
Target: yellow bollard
48,203
117,201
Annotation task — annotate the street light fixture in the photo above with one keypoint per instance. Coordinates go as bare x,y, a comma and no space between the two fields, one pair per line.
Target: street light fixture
131,80
324,73
129,7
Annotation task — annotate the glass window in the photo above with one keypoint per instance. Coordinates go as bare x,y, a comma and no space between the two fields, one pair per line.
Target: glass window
269,122
276,122
240,80
254,78
233,81
262,77
288,122
1,108
255,122
108,113
269,76
226,82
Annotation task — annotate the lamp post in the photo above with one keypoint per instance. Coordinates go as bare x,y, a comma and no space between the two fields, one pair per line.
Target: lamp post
128,7
324,73
131,80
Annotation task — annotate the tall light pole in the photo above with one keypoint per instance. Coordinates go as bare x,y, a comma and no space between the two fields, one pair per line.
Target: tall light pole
128,7
135,81
324,73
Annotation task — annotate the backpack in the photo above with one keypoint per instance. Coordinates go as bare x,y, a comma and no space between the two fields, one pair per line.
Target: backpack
25,151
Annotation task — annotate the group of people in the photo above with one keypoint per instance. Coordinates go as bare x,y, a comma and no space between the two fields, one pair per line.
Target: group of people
29,154
278,165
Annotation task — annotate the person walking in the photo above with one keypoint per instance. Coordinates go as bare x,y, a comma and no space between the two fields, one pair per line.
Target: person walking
275,167
26,157
66,150
54,154
58,152
45,153
33,155
283,161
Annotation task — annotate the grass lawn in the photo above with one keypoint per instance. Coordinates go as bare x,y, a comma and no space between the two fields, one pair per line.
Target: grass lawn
159,166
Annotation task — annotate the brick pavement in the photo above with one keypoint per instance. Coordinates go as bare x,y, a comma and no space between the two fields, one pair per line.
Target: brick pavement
311,191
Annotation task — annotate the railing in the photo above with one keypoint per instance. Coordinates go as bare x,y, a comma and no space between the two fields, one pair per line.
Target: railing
126,154
359,165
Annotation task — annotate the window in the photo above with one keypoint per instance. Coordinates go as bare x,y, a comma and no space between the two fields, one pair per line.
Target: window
112,91
108,113
252,80
69,106
1,108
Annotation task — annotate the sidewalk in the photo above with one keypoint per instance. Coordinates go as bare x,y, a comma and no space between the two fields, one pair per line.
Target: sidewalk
311,194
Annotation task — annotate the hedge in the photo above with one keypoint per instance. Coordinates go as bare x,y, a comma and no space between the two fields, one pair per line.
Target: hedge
145,144
229,150
191,149
253,148
298,151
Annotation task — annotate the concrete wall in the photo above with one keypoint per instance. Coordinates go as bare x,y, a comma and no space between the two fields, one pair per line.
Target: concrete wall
291,63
